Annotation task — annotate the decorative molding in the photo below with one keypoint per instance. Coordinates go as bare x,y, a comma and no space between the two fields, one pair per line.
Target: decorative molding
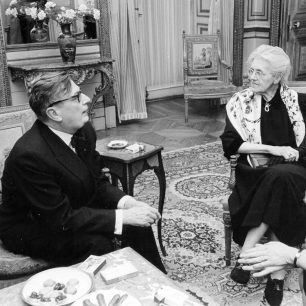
49,45
14,108
158,93
79,71
256,36
238,42
5,90
275,22
202,28
201,10
256,29
255,15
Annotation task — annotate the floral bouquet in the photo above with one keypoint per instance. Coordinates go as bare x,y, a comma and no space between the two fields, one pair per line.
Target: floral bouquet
42,9
38,10
85,10
65,16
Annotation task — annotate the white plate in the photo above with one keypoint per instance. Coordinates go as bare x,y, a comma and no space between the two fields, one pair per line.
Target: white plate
117,144
59,275
108,295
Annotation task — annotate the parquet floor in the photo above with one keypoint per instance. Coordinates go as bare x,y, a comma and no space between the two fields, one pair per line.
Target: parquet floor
166,126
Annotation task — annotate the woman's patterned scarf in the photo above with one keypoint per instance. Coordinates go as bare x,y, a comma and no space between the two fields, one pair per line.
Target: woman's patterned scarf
244,110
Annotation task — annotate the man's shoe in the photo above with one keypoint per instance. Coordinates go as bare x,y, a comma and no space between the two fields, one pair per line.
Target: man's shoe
274,291
240,276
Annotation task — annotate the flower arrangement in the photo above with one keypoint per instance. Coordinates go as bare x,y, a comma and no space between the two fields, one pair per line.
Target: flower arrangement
85,10
38,10
66,15
42,9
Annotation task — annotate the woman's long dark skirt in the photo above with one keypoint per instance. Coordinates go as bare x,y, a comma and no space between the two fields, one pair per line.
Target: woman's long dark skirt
271,195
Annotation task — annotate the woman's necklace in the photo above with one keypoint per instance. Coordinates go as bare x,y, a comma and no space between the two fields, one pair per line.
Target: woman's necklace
267,106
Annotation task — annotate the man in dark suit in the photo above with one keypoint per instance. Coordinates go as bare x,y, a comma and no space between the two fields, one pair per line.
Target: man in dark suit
56,204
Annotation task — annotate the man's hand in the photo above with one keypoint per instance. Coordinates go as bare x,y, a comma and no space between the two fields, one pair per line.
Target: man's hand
138,213
132,202
267,258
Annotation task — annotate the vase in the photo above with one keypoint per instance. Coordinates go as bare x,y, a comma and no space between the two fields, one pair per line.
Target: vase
90,28
67,44
40,32
26,25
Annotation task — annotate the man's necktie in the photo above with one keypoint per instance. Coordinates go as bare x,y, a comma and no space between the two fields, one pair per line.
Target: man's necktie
73,141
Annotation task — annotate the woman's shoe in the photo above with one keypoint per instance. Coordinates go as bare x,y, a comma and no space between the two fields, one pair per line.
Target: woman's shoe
239,275
274,291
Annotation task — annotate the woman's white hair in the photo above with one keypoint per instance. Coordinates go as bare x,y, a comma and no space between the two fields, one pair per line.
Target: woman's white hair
276,56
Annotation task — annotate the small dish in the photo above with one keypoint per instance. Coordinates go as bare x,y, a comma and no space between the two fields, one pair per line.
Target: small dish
117,144
108,295
40,284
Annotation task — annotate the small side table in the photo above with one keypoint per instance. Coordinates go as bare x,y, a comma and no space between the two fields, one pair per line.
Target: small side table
126,166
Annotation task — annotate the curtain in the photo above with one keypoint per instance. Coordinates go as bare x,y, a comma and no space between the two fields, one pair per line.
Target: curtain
164,22
129,84
221,18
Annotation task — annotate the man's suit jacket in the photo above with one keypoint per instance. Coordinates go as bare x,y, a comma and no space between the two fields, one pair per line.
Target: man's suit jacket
45,182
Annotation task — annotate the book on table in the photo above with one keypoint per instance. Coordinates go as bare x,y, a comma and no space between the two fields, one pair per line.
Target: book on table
118,272
92,264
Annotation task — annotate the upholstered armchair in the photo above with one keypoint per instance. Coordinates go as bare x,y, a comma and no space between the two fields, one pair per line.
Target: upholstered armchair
202,69
14,121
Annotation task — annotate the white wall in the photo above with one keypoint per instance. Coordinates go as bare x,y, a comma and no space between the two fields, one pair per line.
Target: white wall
162,45
164,22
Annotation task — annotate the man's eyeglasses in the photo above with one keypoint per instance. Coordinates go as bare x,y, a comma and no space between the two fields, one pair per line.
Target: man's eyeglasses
76,97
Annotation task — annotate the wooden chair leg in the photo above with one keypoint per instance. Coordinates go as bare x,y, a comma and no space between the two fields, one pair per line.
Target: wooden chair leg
227,237
186,110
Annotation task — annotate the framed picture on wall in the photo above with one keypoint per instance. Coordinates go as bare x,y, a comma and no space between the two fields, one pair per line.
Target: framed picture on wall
202,55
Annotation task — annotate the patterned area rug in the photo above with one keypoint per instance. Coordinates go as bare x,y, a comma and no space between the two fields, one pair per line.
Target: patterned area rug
193,231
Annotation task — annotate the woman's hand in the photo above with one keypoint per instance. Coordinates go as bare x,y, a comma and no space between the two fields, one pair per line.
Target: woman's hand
267,258
289,154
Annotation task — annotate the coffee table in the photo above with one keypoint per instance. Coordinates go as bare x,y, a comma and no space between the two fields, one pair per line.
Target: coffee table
126,166
142,286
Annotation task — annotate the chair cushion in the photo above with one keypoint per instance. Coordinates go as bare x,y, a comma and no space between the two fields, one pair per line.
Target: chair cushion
13,265
209,87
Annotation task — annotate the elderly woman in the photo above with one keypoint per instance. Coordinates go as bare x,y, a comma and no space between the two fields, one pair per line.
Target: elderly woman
268,117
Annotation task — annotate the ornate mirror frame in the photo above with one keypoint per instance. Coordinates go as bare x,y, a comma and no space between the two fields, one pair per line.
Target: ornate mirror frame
104,43
5,90
275,22
238,42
